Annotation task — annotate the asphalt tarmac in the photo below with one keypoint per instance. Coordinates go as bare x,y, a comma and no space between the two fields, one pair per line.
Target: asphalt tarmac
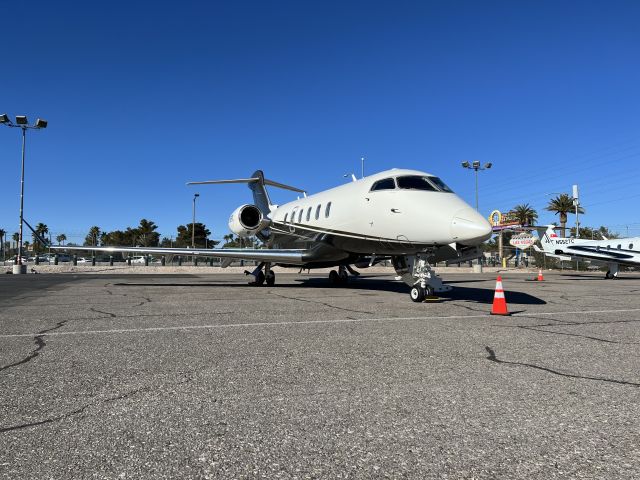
201,376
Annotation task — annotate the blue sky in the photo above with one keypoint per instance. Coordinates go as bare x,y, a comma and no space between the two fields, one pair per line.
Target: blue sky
143,97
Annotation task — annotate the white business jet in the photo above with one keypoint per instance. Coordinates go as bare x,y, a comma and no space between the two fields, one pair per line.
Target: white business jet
611,252
407,216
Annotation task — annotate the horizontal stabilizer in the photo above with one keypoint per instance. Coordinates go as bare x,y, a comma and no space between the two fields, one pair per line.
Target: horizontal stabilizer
249,180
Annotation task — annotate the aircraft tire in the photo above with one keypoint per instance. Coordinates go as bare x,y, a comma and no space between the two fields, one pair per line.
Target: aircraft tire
417,294
343,277
334,278
609,275
259,279
270,278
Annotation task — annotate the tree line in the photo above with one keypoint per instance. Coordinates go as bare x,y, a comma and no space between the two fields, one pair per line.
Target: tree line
143,235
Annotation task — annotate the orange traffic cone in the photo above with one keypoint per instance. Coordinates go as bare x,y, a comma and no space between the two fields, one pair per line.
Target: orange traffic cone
499,302
540,277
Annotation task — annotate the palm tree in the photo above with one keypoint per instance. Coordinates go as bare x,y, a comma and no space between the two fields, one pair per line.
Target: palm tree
525,214
2,234
61,238
562,205
41,230
16,238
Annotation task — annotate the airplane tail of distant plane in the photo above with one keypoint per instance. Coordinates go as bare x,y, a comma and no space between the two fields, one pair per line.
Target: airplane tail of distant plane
549,238
256,184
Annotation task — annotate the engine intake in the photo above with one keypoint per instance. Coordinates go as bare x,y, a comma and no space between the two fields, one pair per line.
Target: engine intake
247,220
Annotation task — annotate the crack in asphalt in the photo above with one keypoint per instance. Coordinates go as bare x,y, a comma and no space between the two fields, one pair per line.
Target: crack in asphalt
564,323
112,315
321,303
492,357
77,411
40,344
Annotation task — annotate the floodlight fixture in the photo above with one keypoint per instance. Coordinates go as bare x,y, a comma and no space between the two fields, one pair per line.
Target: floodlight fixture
475,166
4,118
22,120
41,123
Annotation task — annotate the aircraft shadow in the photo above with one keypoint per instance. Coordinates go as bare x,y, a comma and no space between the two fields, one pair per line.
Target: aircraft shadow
592,276
478,295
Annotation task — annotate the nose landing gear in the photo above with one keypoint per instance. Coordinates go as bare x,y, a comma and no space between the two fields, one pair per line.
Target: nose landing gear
612,272
416,272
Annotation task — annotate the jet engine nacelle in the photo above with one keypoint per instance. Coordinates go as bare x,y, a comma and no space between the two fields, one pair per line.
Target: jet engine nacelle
247,220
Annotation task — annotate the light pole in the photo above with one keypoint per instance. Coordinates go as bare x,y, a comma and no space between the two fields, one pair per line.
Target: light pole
22,123
193,223
476,166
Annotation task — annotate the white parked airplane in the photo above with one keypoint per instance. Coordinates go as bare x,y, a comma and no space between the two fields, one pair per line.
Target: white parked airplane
407,216
613,252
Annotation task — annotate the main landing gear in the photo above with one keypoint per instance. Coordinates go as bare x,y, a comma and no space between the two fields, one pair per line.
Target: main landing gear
260,277
339,278
415,271
612,272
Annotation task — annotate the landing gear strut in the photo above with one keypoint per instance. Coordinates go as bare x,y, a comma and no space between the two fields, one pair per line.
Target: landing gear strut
260,277
341,277
612,272
416,272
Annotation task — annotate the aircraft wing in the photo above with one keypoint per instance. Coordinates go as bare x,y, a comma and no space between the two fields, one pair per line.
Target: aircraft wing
290,256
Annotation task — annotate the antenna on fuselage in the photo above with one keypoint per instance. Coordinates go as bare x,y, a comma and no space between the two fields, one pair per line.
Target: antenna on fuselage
353,177
362,166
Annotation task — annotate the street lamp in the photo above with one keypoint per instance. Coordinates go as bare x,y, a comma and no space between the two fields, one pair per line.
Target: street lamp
23,123
476,166
193,223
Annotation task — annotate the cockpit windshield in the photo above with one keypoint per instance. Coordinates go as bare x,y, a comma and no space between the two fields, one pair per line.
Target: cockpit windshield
415,182
385,184
440,184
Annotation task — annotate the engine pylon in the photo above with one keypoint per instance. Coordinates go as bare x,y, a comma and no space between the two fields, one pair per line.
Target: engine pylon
499,302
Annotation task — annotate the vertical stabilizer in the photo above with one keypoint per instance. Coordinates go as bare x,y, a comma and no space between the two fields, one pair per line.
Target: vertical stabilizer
548,239
260,195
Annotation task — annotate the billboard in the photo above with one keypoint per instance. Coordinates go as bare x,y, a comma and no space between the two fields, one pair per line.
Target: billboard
500,221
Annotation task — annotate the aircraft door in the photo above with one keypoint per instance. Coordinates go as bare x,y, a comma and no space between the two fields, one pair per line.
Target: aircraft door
384,217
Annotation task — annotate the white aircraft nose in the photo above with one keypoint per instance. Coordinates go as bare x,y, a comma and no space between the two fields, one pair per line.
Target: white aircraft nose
469,227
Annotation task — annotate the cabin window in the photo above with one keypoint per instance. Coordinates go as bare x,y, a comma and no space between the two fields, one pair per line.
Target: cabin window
318,212
619,247
300,216
440,184
293,217
598,248
309,213
415,182
386,184
608,247
327,210
285,217
631,246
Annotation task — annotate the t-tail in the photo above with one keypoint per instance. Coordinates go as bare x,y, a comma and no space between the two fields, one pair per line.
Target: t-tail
256,184
548,240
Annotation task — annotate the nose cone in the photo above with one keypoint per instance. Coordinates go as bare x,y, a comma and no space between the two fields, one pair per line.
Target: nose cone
469,227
